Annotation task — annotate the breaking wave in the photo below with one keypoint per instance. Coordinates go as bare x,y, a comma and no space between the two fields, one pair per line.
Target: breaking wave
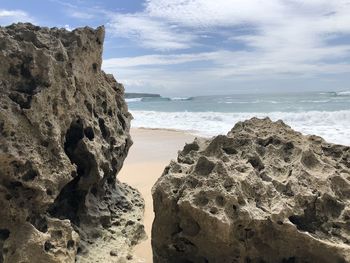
331,125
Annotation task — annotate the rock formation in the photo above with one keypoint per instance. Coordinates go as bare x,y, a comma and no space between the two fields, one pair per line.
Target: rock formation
263,193
64,134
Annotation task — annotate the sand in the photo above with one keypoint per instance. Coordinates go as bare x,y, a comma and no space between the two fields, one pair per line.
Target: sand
152,151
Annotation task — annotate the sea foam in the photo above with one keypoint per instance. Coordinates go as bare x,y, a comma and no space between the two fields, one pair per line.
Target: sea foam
334,126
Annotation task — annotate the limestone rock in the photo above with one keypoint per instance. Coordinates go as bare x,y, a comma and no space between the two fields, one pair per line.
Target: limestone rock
64,134
263,193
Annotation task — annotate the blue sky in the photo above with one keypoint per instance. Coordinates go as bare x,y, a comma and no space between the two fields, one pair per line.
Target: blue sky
202,47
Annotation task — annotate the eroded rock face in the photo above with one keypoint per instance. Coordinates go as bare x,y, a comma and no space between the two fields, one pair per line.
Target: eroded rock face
263,193
64,134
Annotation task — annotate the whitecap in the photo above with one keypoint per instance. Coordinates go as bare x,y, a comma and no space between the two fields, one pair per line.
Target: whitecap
133,100
332,125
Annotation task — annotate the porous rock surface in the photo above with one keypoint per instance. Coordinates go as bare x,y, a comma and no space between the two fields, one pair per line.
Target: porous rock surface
64,134
263,193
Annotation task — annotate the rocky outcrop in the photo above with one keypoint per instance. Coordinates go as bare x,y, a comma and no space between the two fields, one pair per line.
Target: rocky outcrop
64,134
263,193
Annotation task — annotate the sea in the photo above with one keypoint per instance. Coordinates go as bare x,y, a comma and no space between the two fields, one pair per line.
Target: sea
326,114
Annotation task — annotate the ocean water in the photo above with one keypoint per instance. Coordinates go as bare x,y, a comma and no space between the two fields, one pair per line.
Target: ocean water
326,114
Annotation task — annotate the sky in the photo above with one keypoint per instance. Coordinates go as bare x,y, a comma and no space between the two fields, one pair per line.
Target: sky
207,47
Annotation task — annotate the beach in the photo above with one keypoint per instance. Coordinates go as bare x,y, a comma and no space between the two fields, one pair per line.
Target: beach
151,152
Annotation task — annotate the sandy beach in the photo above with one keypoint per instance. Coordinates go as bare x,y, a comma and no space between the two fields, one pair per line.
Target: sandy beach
151,152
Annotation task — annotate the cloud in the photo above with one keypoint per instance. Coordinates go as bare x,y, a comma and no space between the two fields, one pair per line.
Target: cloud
149,32
13,16
243,40
81,15
79,10
156,60
68,28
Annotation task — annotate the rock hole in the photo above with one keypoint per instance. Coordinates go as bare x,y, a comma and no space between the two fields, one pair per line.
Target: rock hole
70,244
88,106
29,175
103,128
24,68
256,163
288,146
73,136
57,234
192,182
4,234
122,121
94,67
220,201
14,185
309,159
201,200
13,71
89,133
94,191
229,150
23,100
59,56
39,222
48,246
104,107
309,221
213,210
71,200
183,245
190,147
204,166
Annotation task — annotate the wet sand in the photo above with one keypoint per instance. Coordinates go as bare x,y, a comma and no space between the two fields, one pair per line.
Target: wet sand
151,152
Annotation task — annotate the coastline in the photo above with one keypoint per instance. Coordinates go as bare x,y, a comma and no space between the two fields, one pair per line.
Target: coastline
151,152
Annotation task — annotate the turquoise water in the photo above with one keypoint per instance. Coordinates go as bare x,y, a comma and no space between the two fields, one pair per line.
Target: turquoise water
322,113
293,102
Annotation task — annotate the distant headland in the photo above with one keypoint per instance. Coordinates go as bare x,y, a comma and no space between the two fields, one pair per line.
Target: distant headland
141,95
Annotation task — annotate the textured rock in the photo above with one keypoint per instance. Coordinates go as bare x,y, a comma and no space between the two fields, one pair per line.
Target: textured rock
263,193
64,134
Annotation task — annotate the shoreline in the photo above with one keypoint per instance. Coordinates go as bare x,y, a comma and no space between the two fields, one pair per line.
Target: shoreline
152,151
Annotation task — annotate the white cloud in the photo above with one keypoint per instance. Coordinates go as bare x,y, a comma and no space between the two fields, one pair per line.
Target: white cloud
208,13
81,15
156,60
13,16
277,39
67,27
150,32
